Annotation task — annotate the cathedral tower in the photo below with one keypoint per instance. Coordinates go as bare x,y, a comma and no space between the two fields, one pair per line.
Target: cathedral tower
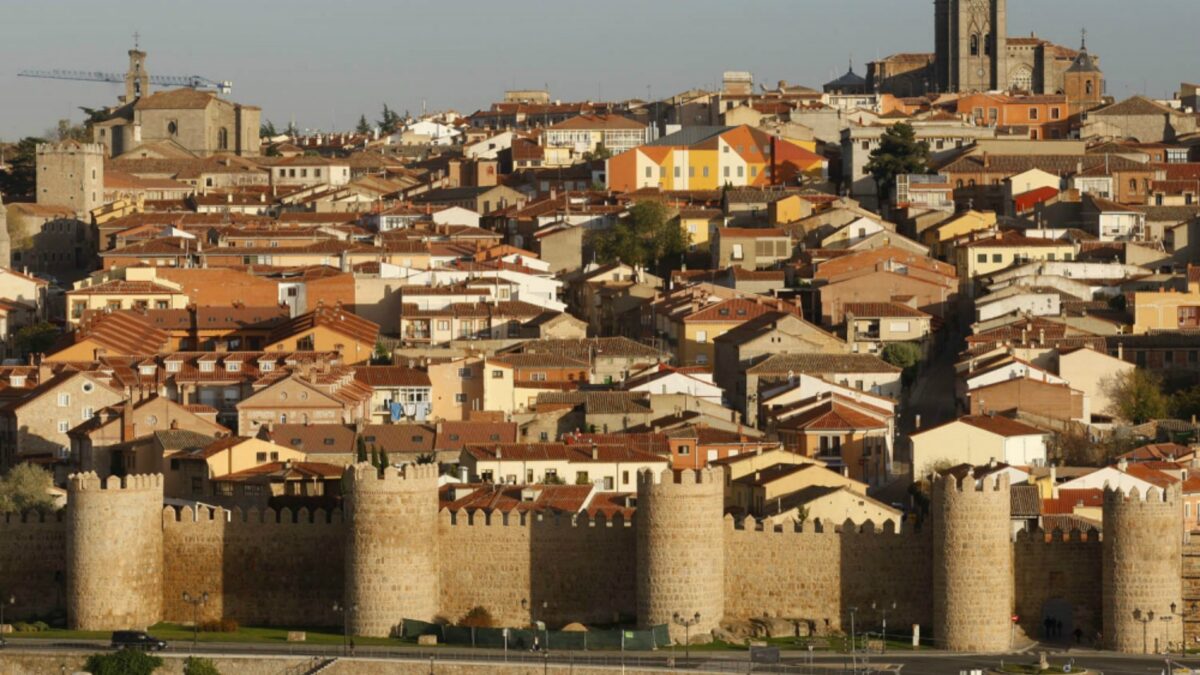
971,43
1083,81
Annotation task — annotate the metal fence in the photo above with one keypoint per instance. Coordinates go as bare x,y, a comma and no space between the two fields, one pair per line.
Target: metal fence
542,640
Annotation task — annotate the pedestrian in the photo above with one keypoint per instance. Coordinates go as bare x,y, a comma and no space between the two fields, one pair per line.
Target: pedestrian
537,645
351,646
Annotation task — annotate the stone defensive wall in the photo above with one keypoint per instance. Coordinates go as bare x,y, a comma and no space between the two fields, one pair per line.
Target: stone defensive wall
116,558
258,567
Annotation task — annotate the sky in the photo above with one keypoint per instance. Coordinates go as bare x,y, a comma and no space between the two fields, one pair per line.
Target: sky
324,63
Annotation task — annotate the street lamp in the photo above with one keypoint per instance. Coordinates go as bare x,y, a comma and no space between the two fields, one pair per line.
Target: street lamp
10,600
345,611
1182,629
687,632
853,640
527,606
1144,618
883,609
195,601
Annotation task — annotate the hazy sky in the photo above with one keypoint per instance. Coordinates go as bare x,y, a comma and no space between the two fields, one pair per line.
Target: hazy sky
323,62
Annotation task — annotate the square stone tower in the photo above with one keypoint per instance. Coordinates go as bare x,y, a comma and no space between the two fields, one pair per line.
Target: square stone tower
971,44
71,174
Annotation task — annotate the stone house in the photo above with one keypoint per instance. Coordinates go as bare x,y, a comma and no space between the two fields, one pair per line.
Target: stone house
457,388
1038,397
283,484
612,467
35,426
862,372
611,360
397,393
326,329
91,440
830,504
189,472
751,248
1140,118
197,121
872,326
977,440
842,433
333,397
932,294
752,492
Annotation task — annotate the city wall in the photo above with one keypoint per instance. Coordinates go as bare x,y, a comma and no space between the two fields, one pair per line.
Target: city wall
134,560
818,571
258,567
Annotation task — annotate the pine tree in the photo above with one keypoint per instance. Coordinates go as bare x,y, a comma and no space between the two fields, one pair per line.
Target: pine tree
374,457
362,450
899,152
384,462
364,127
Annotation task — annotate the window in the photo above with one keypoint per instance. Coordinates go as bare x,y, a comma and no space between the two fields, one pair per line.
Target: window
543,437
741,172
63,426
677,172
737,252
172,366
172,128
64,400
88,411
443,324
691,172
260,457
464,373
537,377
1055,113
705,172
727,172
581,478
996,257
684,450
701,336
266,366
1033,113
233,366
1088,87
649,172
497,374
982,257
174,465
974,45
460,399
206,366
223,138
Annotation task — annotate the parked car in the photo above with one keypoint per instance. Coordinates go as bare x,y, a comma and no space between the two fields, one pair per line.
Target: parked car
136,639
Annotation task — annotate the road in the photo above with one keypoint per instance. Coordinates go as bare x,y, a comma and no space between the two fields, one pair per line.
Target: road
898,663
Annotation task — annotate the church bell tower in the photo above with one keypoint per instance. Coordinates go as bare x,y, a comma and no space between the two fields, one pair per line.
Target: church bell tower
971,43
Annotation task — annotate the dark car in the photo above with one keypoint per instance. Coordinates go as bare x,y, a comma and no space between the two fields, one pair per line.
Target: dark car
136,639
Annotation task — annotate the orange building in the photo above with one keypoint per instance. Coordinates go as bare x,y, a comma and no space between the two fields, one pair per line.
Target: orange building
1046,117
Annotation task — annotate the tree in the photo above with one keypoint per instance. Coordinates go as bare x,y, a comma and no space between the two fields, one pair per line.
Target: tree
292,130
65,130
374,457
477,617
647,236
1136,396
194,665
267,129
26,487
20,182
389,120
362,450
36,338
899,152
427,458
384,460
600,153
364,127
381,357
123,662
904,355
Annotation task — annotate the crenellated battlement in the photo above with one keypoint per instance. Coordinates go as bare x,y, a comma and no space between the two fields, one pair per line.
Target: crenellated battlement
32,518
662,480
236,515
71,147
90,482
972,483
1057,536
1116,496
518,519
410,477
822,528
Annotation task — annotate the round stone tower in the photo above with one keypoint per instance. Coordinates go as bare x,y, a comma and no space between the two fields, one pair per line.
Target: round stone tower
681,549
391,547
972,564
114,552
1143,569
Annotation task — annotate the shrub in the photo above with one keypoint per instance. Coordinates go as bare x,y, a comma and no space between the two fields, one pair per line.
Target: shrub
40,626
124,662
229,625
478,617
195,665
222,625
23,627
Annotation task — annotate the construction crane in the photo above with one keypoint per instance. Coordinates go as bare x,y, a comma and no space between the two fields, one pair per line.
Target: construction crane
193,81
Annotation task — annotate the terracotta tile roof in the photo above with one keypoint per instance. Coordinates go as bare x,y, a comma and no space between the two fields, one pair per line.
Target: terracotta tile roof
1069,499
335,318
1025,501
589,349
601,121
457,435
286,471
533,452
823,363
391,376
883,309
121,333
830,416
119,287
596,402
175,99
491,498
1157,452
998,425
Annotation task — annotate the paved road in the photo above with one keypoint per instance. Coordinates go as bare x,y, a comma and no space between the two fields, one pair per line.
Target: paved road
899,663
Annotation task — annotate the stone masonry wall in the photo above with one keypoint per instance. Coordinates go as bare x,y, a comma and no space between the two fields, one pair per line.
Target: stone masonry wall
1142,570
258,567
1056,576
33,564
566,568
114,552
817,572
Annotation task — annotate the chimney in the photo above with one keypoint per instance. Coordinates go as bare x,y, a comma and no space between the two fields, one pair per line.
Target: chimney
127,425
595,453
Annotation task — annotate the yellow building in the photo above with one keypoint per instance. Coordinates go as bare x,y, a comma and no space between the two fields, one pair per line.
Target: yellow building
326,329
1167,310
1007,249
187,472
696,224
956,226
139,289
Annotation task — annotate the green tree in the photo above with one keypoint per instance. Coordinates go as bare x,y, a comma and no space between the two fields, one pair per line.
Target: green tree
600,153
195,665
292,130
384,460
363,127
362,449
647,236
123,662
477,617
1136,396
427,458
36,338
389,121
26,487
899,152
904,355
267,129
1185,403
20,182
381,357
374,457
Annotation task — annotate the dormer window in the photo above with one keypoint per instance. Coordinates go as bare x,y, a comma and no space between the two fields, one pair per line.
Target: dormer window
16,380
172,366
147,369
206,366
233,366
266,366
